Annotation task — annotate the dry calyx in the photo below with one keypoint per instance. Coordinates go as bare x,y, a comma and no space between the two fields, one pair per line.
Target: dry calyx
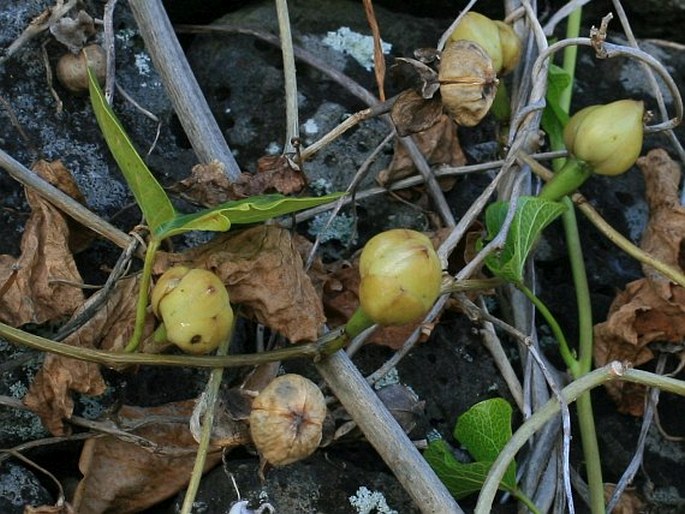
72,69
477,52
194,307
286,420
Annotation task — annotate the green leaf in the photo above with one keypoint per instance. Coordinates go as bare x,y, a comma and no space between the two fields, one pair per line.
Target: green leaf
532,216
483,430
149,194
461,479
554,117
250,210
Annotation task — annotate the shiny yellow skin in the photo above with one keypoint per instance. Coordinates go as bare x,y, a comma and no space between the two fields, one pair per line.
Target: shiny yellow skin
400,277
511,46
607,137
482,30
195,308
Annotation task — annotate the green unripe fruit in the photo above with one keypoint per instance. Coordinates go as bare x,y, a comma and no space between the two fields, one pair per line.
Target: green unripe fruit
482,30
608,137
400,277
195,308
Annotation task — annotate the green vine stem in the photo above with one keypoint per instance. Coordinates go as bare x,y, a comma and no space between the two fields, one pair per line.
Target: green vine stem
316,350
612,371
565,181
210,401
564,349
520,496
143,294
586,418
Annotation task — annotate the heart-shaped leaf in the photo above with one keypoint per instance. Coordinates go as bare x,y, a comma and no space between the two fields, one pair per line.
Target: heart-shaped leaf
483,430
532,216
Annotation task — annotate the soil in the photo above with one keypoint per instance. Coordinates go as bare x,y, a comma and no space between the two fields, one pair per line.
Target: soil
450,372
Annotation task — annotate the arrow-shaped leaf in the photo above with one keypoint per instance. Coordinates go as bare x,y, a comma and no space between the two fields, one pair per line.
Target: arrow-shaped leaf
149,194
250,210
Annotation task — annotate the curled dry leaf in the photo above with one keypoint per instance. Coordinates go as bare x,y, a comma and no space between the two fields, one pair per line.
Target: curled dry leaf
652,309
73,32
122,476
208,184
412,113
63,508
264,273
468,82
50,394
42,284
439,144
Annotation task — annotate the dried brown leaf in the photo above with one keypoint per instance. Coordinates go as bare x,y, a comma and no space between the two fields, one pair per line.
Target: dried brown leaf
122,476
664,236
64,508
50,394
275,173
629,502
412,113
39,285
264,273
651,309
208,184
439,144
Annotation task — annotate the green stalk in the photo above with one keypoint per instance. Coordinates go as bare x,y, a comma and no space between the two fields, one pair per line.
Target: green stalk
206,434
566,180
520,496
586,420
143,293
564,348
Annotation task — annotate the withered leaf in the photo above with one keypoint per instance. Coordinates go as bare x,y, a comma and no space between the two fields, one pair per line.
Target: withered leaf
64,508
208,184
439,144
468,82
50,394
264,273
42,284
651,309
412,113
123,476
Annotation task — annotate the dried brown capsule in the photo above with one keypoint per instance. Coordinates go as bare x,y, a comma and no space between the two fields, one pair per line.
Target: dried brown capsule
468,82
72,69
287,418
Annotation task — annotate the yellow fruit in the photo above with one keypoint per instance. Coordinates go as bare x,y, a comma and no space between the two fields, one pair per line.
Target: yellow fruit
510,45
482,30
608,137
400,277
195,308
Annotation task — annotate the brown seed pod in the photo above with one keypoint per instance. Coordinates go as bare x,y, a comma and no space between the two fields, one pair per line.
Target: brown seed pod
468,82
287,418
72,69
